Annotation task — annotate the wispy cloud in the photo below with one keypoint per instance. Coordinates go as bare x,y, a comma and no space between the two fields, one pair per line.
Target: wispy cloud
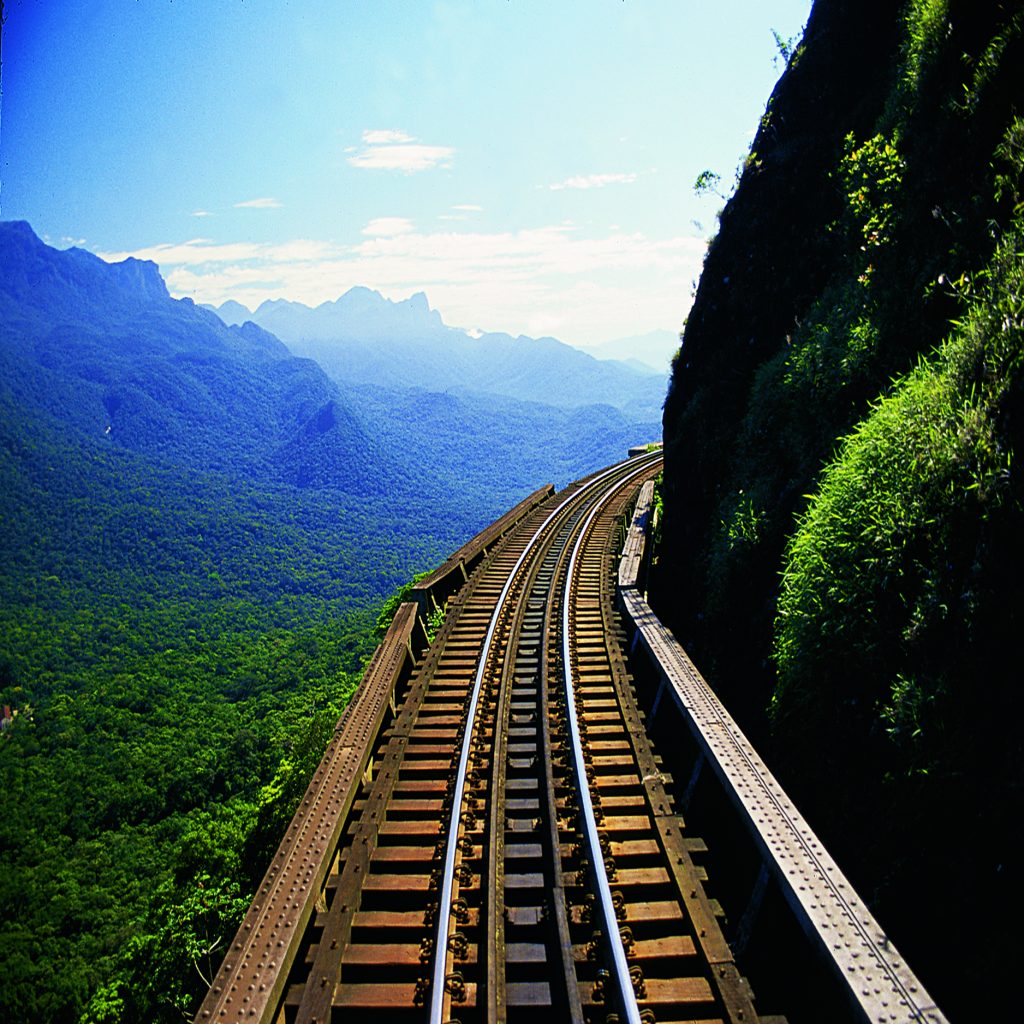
385,150
201,213
203,252
388,227
543,280
264,203
585,181
463,210
384,137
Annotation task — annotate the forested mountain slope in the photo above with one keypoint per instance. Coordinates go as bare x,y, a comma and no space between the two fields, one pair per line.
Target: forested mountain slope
105,349
842,433
183,608
476,421
197,530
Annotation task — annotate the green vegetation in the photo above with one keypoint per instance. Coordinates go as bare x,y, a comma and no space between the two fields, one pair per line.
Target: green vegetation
708,182
176,645
927,23
843,438
434,619
785,47
888,576
176,650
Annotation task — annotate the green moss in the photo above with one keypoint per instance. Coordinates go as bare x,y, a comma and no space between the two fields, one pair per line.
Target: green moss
893,549
927,27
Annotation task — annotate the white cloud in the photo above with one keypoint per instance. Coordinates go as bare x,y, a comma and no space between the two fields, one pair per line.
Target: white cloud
468,208
265,203
395,151
388,227
383,137
585,181
197,251
543,280
201,213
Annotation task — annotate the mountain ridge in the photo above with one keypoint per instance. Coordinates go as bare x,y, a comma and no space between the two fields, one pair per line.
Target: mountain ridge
362,337
104,349
161,375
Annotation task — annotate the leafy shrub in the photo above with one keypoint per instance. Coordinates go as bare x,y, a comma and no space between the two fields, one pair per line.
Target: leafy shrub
894,555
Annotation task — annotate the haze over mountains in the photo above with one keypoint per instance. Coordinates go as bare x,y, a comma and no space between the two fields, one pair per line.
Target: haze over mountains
395,403
363,338
653,350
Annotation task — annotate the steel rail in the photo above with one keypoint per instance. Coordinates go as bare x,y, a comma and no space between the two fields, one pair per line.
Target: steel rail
540,584
625,984
444,904
574,1006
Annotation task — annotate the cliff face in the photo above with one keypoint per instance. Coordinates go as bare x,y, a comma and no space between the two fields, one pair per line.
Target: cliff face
842,500
772,256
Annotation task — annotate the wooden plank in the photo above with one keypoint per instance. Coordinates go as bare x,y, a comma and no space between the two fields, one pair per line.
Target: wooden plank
661,992
400,996
528,993
399,954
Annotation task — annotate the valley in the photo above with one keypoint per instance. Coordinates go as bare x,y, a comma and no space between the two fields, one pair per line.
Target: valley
199,528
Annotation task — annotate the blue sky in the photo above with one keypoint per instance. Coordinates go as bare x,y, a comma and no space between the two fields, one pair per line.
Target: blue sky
527,163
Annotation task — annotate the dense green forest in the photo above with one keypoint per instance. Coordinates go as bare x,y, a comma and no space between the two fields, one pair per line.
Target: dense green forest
176,650
843,434
182,618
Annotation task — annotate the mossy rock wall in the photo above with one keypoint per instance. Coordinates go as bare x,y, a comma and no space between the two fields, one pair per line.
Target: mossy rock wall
842,510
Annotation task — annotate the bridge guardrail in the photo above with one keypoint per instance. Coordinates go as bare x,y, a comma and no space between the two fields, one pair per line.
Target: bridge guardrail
878,982
447,578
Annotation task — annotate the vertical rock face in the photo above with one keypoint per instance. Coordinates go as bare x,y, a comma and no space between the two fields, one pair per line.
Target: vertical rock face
843,439
772,256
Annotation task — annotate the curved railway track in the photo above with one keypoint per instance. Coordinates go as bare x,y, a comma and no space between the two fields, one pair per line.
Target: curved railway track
504,845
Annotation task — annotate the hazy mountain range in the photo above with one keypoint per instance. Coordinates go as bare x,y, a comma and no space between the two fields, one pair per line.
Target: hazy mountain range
364,338
103,349
653,350
394,403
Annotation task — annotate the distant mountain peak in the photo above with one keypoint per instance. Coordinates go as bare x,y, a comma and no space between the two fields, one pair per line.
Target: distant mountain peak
231,312
268,304
141,276
357,292
20,229
417,303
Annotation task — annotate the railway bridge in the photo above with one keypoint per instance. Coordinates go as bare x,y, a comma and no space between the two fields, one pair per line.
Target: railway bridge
503,829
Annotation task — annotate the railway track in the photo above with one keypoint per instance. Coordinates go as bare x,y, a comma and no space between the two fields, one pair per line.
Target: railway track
491,836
